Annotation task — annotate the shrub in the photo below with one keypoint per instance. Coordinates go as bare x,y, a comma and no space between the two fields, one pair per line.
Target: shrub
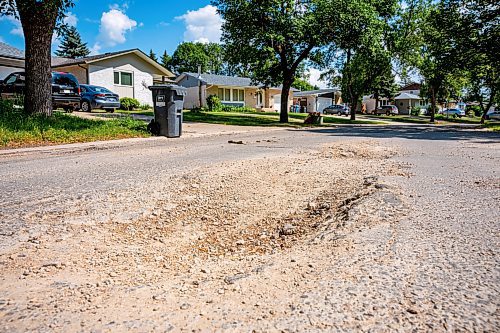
145,107
474,110
415,111
213,103
127,103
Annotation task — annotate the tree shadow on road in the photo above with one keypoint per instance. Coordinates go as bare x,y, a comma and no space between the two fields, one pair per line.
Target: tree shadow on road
412,132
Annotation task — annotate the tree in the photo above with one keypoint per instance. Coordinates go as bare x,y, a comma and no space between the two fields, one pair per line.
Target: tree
383,85
39,19
364,45
188,56
153,56
71,45
303,85
166,60
477,38
275,37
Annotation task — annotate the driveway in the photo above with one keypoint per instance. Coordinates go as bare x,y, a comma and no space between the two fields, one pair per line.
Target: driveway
369,228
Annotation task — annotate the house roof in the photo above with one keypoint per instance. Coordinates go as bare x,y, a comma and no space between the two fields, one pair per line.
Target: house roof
318,92
60,62
8,51
226,81
222,80
407,96
411,86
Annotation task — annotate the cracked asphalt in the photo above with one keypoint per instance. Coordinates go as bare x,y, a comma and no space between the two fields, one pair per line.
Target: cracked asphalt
349,229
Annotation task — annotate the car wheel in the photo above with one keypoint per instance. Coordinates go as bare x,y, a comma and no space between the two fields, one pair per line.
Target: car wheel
388,113
454,115
68,110
86,107
109,110
339,113
487,117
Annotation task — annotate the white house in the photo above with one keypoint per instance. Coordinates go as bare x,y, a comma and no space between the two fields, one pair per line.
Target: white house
11,60
231,90
316,100
128,73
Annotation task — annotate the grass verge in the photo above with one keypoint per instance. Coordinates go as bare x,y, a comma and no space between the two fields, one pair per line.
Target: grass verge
20,130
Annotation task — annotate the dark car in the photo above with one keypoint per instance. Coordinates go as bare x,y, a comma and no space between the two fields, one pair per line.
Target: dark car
337,109
95,97
389,110
65,89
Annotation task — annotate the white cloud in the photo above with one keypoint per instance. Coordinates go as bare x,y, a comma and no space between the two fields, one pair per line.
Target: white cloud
314,78
1,39
202,25
96,49
70,19
17,30
114,25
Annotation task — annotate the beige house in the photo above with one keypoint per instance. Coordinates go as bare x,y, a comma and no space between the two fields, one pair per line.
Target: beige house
231,90
128,73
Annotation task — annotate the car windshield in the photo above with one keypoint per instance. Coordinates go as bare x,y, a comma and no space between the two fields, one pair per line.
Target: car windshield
101,90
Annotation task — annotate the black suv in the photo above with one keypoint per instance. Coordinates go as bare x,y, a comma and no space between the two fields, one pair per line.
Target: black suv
65,89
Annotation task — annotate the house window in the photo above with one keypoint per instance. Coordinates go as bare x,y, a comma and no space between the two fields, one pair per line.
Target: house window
227,95
241,95
220,93
123,78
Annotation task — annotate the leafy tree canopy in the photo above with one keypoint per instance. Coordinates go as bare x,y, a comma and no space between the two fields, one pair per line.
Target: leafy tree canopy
188,56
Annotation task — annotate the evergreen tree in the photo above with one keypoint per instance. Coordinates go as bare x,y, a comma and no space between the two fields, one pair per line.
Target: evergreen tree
71,45
153,56
166,60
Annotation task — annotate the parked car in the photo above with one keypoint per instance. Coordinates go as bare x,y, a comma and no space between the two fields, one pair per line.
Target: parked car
493,115
389,110
65,89
95,97
454,112
338,109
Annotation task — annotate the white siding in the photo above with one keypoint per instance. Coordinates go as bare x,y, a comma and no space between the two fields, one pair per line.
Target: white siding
102,73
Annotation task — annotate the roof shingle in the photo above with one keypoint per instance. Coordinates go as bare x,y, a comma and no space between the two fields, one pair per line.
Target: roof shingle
10,52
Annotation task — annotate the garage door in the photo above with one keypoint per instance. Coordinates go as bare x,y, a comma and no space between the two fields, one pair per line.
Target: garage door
277,103
323,103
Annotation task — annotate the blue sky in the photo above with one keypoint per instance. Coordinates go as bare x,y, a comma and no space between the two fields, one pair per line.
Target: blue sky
146,24
112,25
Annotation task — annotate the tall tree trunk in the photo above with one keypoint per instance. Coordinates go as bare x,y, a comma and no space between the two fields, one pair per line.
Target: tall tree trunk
433,103
354,106
376,100
285,93
38,22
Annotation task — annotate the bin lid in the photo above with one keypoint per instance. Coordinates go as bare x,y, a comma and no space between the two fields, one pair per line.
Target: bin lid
181,91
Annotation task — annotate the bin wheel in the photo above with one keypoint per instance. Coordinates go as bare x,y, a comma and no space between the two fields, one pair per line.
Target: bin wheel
154,127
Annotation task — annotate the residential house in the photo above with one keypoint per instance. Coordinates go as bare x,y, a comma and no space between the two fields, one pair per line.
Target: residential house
11,60
128,73
315,100
231,90
407,99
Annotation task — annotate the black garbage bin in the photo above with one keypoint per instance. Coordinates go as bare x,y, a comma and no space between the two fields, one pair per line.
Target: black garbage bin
168,105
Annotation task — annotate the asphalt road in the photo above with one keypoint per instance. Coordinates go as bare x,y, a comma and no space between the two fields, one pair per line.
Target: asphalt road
440,267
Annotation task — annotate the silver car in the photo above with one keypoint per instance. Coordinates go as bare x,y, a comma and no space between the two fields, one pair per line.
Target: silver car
454,113
493,115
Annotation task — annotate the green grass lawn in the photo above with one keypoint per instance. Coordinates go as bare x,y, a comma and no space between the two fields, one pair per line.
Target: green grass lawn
254,118
19,130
